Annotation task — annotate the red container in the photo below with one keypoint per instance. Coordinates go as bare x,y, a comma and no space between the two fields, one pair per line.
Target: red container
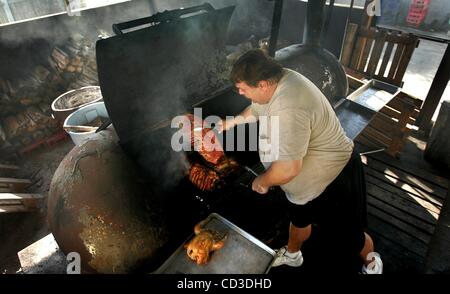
417,12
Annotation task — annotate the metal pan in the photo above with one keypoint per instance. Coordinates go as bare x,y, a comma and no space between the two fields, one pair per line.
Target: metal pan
241,254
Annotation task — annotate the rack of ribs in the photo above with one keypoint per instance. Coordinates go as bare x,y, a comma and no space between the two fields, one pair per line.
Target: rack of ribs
205,142
203,177
206,178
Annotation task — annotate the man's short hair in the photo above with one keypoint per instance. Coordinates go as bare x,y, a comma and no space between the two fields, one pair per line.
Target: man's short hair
255,66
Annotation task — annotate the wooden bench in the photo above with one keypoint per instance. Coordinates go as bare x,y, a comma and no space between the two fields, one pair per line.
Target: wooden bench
378,53
19,202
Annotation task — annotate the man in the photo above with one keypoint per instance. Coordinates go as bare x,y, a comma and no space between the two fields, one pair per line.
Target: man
314,162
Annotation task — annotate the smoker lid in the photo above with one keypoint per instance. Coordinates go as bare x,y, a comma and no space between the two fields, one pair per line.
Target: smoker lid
150,75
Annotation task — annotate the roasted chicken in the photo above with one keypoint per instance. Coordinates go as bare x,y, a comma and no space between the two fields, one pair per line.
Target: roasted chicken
206,241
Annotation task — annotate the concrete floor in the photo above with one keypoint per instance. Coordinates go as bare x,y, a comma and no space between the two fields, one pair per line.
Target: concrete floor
19,230
422,69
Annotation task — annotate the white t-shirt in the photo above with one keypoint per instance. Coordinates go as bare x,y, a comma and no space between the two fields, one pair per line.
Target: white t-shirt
308,129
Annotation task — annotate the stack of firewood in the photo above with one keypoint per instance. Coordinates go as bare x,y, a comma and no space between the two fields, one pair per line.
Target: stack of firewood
28,126
25,114
75,62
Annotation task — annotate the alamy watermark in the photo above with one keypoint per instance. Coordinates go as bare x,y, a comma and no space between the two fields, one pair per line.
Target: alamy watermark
196,133
374,8
74,263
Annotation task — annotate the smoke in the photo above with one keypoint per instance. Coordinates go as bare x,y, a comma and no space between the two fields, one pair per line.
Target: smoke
56,29
203,73
183,79
25,45
251,17
161,5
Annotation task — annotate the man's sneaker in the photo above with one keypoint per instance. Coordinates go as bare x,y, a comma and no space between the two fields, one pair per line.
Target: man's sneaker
375,267
290,259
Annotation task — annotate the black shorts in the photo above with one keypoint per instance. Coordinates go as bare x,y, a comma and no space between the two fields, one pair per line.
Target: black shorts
341,207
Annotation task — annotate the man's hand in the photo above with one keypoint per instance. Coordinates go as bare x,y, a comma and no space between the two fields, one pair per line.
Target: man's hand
259,186
279,173
224,125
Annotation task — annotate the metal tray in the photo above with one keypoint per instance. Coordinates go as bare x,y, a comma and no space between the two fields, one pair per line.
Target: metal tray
374,94
353,117
241,254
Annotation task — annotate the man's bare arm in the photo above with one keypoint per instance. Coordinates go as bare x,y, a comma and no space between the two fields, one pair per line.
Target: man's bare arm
245,116
279,173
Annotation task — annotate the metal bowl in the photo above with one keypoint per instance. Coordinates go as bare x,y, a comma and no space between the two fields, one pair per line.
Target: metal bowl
72,100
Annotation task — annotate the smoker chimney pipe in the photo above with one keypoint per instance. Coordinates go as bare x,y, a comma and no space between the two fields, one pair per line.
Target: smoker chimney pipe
314,22
326,25
276,20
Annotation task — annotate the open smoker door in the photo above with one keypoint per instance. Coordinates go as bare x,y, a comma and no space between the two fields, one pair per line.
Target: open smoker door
150,75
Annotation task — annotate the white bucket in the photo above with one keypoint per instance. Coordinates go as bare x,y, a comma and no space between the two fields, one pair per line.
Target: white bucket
83,116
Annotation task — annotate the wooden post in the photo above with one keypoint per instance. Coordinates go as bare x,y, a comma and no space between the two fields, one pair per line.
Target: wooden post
435,93
349,44
366,23
438,145
366,19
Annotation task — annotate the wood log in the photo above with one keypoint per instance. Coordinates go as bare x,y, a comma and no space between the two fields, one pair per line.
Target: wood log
45,108
72,50
2,135
71,68
36,115
38,135
9,87
25,101
90,73
60,57
31,127
3,86
5,98
53,65
41,73
77,61
12,126
61,66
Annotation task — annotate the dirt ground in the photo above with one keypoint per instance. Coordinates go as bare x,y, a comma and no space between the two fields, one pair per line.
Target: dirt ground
19,230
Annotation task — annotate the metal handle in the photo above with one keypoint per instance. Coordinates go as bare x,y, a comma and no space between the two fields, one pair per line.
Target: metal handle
160,17
250,170
104,125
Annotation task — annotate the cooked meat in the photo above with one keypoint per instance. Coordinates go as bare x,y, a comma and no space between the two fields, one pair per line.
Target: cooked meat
205,241
205,142
202,177
226,165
